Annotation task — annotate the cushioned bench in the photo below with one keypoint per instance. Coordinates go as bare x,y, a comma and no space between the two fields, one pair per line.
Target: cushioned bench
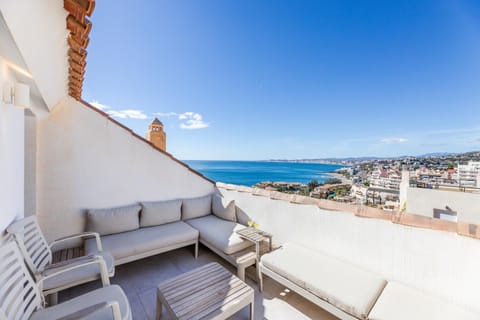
144,242
341,288
216,220
219,234
399,302
137,231
134,232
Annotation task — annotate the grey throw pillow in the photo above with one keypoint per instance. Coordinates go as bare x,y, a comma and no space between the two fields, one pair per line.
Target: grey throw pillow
196,207
160,212
113,220
223,209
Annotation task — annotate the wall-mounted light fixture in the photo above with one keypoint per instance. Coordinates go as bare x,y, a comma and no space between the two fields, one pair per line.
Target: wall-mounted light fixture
17,94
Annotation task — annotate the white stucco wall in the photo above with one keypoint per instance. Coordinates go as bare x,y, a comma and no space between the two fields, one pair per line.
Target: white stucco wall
422,202
40,34
439,262
11,157
32,51
85,161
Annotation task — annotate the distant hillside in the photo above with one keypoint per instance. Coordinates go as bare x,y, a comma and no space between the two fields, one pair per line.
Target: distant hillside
473,155
437,154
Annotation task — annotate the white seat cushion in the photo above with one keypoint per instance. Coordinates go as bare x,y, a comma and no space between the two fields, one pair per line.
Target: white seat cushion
220,233
399,302
80,275
345,286
126,244
109,293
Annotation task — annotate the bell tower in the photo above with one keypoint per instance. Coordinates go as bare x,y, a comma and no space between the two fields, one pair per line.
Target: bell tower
156,135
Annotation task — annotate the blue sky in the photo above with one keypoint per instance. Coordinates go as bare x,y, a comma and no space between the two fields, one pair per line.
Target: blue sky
251,79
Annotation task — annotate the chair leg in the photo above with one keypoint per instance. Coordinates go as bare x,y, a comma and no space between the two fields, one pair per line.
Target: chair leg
241,272
52,299
159,309
196,250
251,311
260,280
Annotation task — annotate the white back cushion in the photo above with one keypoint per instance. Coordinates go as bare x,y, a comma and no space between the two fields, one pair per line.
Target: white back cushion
196,207
223,208
160,212
113,220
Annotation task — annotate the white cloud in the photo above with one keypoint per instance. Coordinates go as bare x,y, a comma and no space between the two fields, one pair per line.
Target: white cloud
127,113
192,120
123,114
394,140
167,114
189,120
98,105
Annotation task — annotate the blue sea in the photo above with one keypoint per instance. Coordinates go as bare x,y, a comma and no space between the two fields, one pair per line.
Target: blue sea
248,173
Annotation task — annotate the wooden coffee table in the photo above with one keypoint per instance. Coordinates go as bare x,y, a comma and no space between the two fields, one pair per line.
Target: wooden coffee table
208,292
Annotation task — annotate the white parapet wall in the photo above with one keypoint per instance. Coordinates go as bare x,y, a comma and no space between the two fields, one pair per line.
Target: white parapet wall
422,202
33,51
438,262
85,160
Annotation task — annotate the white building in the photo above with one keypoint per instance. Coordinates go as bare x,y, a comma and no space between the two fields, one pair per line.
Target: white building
447,203
385,178
469,174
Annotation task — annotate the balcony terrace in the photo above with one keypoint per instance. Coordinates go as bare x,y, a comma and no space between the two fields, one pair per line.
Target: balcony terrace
426,254
63,156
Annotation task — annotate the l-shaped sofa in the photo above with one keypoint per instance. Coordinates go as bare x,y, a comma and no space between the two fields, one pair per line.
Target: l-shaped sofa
148,228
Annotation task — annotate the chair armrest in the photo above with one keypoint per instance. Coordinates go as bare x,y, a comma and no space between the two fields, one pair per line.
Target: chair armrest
91,310
78,236
80,263
15,228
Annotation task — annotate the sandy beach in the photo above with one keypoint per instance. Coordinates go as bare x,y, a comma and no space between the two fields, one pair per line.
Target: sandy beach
341,177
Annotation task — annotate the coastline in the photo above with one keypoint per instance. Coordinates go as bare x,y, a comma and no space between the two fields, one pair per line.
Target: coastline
248,173
340,177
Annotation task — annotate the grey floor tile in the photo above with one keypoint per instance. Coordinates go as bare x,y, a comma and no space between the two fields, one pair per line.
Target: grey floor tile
139,280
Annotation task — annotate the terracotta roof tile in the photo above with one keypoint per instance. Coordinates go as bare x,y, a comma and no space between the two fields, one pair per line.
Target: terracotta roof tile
79,27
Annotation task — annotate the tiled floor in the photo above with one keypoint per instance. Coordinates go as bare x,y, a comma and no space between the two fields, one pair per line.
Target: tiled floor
140,278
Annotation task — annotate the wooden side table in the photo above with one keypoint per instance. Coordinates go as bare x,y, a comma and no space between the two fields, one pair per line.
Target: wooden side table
208,292
256,236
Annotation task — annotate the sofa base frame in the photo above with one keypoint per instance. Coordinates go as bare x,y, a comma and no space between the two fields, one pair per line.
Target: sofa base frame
241,259
304,293
158,251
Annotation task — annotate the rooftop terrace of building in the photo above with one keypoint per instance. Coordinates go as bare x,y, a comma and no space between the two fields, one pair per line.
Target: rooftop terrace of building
439,262
71,156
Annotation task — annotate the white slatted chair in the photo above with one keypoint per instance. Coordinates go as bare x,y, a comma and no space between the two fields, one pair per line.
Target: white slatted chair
21,299
38,257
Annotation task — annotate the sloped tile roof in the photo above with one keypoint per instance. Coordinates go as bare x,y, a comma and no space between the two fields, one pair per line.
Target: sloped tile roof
79,27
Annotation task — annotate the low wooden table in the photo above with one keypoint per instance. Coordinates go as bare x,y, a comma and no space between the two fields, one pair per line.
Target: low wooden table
256,236
208,292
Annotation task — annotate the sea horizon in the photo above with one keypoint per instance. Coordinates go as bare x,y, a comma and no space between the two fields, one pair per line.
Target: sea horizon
251,172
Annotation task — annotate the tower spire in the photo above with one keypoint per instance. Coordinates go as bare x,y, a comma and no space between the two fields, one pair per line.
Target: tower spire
156,135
